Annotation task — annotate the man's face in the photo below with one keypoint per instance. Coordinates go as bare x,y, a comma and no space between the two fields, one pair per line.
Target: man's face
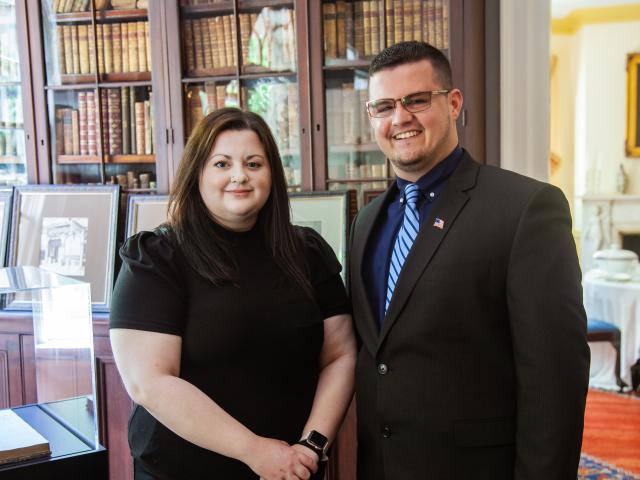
415,142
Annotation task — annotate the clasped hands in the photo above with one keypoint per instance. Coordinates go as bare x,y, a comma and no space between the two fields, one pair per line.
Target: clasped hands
277,460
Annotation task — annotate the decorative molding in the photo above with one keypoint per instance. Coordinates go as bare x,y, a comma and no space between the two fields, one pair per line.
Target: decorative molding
588,16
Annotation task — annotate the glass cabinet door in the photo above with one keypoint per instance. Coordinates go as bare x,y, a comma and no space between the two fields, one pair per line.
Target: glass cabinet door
243,54
98,83
353,33
13,161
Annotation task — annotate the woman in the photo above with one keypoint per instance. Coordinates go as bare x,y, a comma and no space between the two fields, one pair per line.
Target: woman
229,325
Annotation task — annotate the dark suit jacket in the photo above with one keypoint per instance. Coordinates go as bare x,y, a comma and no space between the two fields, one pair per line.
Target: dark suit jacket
484,347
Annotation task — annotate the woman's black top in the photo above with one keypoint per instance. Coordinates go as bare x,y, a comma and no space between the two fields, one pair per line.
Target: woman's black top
253,347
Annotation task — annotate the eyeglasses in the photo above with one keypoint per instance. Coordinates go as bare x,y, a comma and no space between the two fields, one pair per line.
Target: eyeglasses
413,103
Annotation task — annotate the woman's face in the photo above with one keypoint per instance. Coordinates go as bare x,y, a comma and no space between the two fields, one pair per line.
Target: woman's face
236,180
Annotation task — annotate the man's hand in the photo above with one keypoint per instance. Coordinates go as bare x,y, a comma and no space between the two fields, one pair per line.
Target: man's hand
276,460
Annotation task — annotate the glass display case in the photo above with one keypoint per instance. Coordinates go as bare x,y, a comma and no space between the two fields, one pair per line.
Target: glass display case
99,93
63,340
243,55
353,33
13,162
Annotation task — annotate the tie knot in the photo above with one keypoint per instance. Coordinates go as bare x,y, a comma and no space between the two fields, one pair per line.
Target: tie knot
411,193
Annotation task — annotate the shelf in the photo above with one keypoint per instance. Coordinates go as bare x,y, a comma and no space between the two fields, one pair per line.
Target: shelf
93,159
356,147
102,15
258,71
11,160
360,180
4,126
210,72
211,8
104,78
343,63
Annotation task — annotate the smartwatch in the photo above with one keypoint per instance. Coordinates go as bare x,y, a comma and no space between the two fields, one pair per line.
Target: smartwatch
316,442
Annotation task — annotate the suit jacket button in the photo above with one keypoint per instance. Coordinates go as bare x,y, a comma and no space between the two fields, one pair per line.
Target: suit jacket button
382,369
386,432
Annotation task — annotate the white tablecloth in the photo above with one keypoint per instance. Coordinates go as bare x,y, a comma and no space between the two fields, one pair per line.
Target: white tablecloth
617,303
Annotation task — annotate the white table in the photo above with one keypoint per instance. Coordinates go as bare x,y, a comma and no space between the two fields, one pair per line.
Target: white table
617,303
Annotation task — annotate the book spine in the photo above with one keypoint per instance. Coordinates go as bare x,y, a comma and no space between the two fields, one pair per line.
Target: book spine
206,42
83,47
234,41
124,48
365,130
245,33
108,48
124,120
142,50
358,11
116,41
187,39
75,130
132,31
221,95
140,146
389,22
100,47
375,26
350,44
115,125
431,22
82,118
341,9
229,43
92,145
210,93
132,120
104,124
75,49
438,24
220,35
67,131
197,42
398,16
330,33
445,25
366,13
349,111
147,45
407,20
148,145
60,43
417,20
92,49
59,131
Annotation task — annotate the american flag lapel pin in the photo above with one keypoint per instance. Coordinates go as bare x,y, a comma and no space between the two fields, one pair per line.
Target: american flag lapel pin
439,223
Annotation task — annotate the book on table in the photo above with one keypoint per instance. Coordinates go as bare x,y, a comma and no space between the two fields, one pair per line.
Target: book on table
18,440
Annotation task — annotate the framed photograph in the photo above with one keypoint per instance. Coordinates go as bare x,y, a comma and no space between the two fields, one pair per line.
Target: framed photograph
368,195
69,230
329,214
633,105
145,212
5,220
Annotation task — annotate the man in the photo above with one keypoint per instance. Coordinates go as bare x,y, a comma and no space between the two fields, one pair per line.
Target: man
466,297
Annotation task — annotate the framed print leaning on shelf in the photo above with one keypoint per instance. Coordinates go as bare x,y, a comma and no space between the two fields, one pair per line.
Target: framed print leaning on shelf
328,213
633,105
69,230
5,221
145,212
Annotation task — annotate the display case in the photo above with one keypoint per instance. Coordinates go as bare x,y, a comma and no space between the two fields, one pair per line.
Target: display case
63,346
242,54
13,159
98,91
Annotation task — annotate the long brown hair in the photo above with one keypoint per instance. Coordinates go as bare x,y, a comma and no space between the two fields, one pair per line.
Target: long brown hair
207,252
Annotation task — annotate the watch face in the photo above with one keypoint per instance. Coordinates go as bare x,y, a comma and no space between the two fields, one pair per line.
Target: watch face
317,439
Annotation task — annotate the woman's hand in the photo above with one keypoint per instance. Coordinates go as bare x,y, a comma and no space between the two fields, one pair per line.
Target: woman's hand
277,460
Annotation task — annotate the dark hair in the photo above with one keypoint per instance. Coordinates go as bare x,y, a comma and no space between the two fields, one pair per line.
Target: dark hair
410,52
206,251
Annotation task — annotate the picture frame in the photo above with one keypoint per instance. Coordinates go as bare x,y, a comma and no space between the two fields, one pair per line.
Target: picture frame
67,229
632,144
6,195
145,212
328,213
369,195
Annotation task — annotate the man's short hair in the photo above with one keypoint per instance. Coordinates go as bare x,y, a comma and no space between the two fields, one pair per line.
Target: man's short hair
410,52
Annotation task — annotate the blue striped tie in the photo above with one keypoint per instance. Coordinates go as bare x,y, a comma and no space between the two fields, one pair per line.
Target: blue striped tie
406,236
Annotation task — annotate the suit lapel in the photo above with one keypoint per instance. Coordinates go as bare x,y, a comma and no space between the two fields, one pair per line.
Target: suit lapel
451,202
365,319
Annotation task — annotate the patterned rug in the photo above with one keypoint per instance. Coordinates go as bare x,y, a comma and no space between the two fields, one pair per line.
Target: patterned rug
593,469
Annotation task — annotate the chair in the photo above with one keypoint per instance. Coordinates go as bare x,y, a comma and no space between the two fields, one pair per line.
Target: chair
601,331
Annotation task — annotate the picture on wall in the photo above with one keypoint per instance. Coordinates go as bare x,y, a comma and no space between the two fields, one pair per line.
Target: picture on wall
145,212
633,105
69,230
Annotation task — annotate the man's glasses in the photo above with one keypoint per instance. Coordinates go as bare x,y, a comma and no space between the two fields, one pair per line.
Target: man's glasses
415,102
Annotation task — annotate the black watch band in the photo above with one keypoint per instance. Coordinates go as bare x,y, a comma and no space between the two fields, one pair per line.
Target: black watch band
316,442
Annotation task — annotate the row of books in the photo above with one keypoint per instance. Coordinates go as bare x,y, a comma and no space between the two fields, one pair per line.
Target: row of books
277,103
362,28
347,119
8,143
69,6
126,127
267,39
9,61
360,166
11,107
121,47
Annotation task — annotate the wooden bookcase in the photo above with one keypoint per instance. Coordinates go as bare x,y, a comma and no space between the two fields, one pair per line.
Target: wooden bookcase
302,64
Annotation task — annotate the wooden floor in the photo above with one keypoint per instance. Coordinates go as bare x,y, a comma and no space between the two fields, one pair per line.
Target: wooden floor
612,429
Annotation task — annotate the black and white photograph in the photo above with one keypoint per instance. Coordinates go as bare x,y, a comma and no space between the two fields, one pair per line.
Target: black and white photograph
63,245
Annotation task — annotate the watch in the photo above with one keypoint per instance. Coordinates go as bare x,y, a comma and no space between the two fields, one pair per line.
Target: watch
316,442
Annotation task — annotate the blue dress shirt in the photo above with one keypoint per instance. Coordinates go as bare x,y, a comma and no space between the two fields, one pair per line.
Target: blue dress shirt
380,244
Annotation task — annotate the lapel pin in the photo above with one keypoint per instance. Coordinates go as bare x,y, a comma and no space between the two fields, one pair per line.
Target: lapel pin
439,223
